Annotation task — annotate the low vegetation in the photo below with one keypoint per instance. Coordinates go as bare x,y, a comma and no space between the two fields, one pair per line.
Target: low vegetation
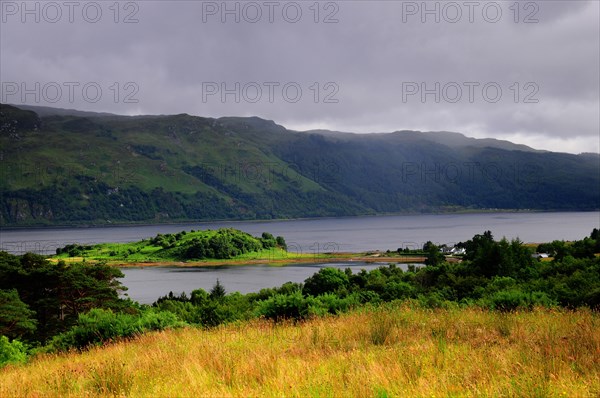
499,322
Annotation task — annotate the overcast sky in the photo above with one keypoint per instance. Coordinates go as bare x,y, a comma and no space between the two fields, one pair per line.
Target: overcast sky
526,72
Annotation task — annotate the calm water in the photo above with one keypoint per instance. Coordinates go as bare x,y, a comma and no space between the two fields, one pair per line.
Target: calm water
147,284
335,234
306,236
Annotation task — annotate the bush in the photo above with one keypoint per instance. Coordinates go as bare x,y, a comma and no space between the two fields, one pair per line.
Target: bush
268,241
334,304
281,242
507,300
434,300
99,326
225,243
397,290
185,311
513,299
214,313
592,299
151,320
199,296
12,351
327,280
289,306
368,296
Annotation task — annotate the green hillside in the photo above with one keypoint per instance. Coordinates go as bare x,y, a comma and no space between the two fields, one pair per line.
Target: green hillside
64,168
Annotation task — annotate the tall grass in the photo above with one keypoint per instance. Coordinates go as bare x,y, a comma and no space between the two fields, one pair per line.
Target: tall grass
373,352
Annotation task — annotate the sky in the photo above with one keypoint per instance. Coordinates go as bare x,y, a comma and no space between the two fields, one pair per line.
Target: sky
524,71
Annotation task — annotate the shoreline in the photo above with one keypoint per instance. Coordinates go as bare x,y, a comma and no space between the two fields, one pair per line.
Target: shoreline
350,257
275,220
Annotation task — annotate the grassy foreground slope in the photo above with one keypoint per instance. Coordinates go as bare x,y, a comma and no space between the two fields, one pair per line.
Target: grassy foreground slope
394,350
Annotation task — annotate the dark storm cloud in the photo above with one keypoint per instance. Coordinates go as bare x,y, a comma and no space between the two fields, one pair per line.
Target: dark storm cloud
356,73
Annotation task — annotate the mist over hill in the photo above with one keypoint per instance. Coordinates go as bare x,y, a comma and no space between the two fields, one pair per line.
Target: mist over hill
70,167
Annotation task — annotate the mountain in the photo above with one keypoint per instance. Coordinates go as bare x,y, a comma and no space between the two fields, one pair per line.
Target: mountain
62,167
43,111
457,140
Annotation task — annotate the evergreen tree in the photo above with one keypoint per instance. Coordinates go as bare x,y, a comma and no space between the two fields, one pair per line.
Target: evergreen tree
218,291
16,319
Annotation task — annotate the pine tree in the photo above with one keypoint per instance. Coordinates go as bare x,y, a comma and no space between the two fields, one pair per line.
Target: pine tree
218,291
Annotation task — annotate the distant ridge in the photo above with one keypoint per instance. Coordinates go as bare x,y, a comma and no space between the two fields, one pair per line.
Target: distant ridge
455,140
450,139
70,167
44,111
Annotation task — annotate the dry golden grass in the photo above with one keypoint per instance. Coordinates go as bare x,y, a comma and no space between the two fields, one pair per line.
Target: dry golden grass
395,351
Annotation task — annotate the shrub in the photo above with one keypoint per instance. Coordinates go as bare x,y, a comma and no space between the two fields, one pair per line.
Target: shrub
327,280
199,296
99,326
368,296
214,313
513,299
289,306
434,300
281,242
334,304
185,311
12,351
592,299
507,300
397,290
151,320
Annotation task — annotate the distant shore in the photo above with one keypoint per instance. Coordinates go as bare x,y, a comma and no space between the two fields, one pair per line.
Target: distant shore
11,227
317,259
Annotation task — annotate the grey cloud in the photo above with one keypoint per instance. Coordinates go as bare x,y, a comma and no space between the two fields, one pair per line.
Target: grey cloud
368,55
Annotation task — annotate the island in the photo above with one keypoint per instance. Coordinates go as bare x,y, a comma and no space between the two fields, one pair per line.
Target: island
225,246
